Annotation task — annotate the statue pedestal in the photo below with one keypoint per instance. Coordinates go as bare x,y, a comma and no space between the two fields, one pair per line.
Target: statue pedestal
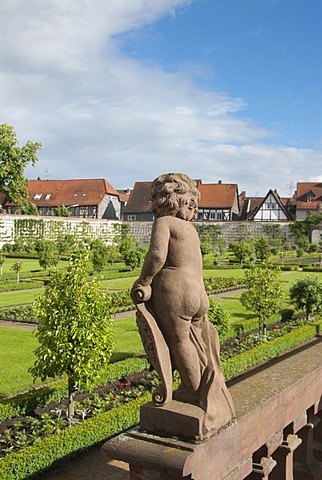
177,419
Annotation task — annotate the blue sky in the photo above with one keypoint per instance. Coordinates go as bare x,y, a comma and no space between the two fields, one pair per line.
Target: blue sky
127,90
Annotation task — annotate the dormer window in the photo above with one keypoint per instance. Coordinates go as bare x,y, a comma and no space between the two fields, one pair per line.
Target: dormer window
37,196
83,194
75,194
47,197
310,197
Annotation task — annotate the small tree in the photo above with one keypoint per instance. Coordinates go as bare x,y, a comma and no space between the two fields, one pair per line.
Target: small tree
2,259
112,253
206,245
264,294
62,211
48,255
99,255
74,331
133,258
242,249
262,249
17,267
306,294
219,316
127,243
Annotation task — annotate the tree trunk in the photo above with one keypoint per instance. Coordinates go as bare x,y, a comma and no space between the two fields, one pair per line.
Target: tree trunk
71,389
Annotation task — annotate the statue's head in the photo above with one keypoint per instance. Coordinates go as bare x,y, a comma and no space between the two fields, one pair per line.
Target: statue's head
175,194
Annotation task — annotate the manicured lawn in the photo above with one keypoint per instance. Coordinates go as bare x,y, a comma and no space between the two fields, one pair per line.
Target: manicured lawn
18,345
20,297
16,356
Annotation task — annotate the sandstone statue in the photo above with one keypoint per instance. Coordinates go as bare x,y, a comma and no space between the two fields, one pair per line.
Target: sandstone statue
172,306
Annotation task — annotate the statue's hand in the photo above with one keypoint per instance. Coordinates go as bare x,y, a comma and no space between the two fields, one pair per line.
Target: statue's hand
141,293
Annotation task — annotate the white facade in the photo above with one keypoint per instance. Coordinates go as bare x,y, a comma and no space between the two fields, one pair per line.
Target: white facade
270,211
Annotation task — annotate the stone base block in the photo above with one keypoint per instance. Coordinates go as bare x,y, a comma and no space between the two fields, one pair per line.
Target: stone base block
177,419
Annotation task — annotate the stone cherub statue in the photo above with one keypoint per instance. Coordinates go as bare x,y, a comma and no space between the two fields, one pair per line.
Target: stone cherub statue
172,306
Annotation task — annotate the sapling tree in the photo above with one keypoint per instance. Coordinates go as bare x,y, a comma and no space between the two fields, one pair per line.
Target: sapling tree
264,294
2,259
74,334
219,316
262,249
17,267
306,293
242,249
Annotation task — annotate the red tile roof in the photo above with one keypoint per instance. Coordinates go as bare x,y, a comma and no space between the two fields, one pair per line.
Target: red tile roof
303,188
139,200
69,192
219,195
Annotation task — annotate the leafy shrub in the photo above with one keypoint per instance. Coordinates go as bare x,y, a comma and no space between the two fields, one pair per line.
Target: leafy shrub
219,316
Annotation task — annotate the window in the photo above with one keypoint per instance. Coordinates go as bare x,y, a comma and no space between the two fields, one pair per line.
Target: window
83,194
131,217
47,197
37,196
310,197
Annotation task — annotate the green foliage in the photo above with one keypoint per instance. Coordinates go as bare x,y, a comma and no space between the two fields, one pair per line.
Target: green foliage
99,257
13,161
242,249
222,284
74,330
219,316
306,294
29,209
26,403
264,293
48,255
134,257
206,245
262,249
127,243
62,211
266,351
42,454
17,267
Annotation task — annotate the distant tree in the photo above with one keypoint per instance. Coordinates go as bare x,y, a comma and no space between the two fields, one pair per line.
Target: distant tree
29,209
242,249
2,259
262,249
62,211
112,253
99,255
220,245
48,255
13,161
17,267
306,293
133,258
219,316
206,245
74,332
127,243
264,294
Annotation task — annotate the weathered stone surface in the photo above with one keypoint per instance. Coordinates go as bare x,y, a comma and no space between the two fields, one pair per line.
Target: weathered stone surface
267,401
172,315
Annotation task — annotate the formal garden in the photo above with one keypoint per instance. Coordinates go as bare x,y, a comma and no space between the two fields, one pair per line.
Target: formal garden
81,375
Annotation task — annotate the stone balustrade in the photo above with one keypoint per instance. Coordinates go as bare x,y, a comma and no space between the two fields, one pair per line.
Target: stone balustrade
277,434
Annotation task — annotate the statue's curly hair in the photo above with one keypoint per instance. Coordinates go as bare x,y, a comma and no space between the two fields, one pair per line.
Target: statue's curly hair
170,192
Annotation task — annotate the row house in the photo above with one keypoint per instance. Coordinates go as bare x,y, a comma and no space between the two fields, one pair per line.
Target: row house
218,201
308,197
271,208
84,198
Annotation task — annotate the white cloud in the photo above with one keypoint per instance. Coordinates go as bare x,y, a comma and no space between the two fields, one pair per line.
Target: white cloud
65,82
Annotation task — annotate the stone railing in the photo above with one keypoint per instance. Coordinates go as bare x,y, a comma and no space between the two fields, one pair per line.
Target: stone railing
277,434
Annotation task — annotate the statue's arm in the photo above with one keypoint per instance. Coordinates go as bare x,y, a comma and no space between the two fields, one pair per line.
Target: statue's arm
158,251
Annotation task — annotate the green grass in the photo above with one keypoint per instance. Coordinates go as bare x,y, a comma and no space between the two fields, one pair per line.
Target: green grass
127,339
17,353
16,356
20,297
119,284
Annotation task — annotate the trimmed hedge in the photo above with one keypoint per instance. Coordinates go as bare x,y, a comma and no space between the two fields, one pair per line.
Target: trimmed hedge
25,403
41,455
269,350
60,446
